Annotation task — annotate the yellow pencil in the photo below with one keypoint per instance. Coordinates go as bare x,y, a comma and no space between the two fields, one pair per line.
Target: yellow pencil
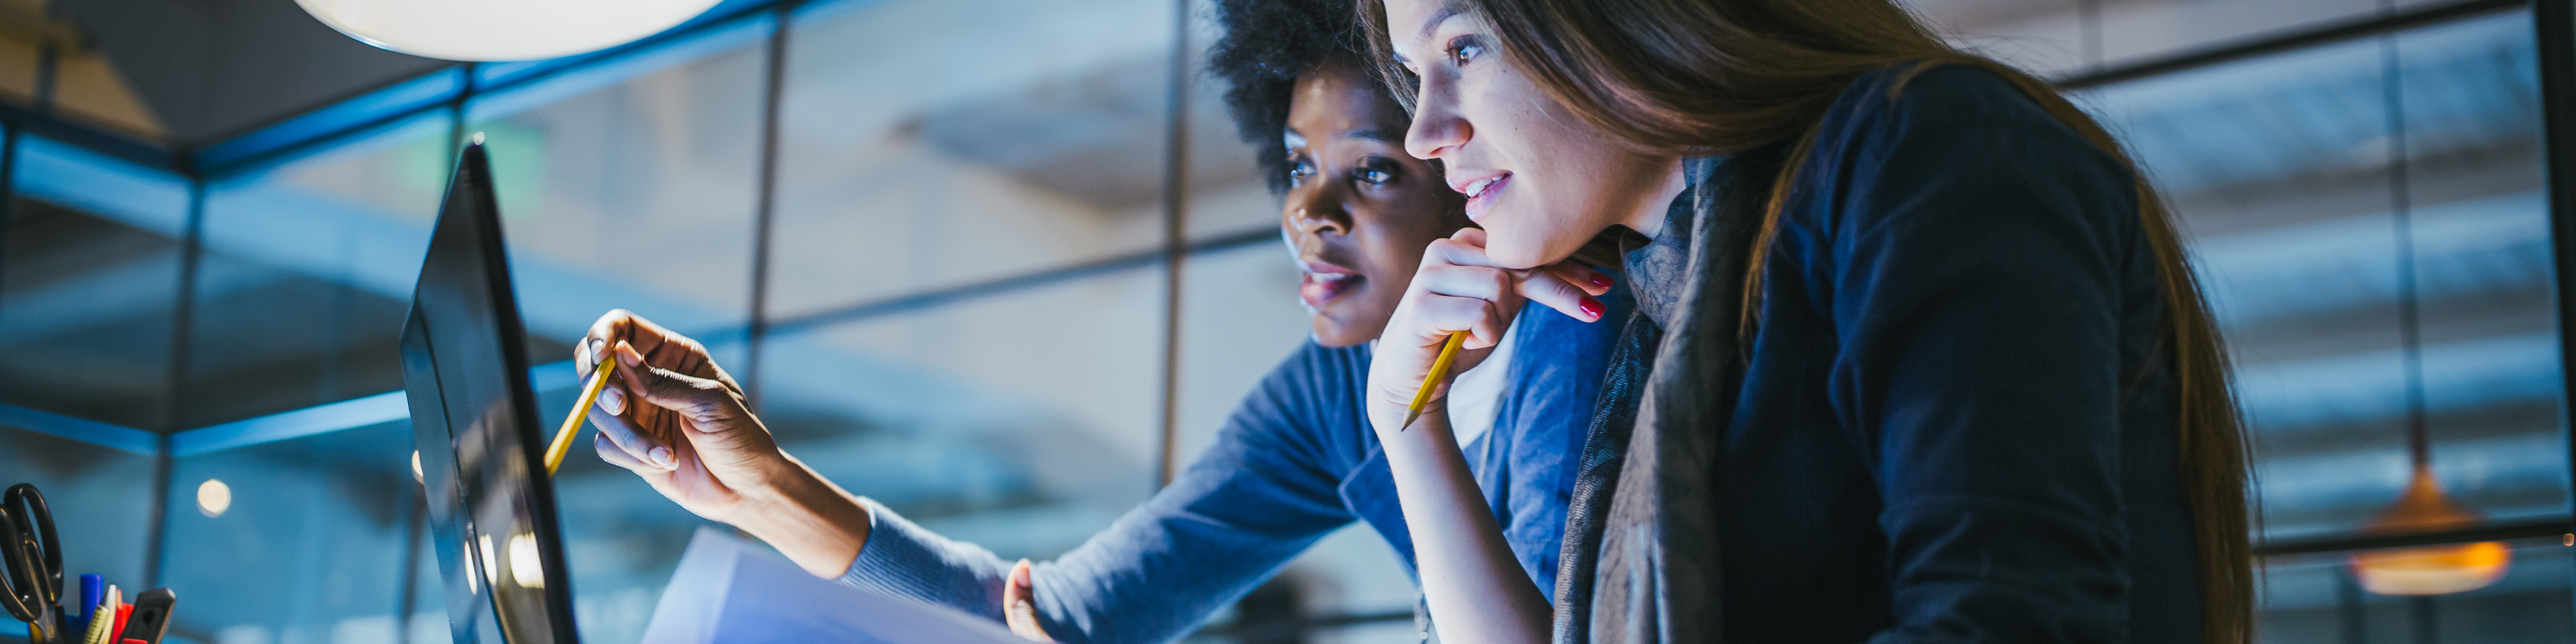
572,424
1439,368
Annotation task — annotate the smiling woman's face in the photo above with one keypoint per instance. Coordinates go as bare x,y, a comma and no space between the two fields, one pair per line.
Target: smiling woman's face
1538,179
1359,211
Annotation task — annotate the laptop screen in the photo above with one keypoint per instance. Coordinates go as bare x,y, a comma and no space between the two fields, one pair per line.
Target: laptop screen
474,420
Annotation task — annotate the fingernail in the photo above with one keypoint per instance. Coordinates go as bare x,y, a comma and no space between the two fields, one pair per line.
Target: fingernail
612,400
1591,307
1020,573
661,456
1600,281
626,355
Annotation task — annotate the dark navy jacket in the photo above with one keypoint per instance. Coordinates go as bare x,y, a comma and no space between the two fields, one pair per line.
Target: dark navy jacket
1955,422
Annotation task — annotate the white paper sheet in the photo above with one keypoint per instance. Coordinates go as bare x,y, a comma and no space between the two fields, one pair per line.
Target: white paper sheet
729,591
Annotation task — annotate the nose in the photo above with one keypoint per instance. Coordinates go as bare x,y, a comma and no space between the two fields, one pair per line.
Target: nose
1437,128
1317,208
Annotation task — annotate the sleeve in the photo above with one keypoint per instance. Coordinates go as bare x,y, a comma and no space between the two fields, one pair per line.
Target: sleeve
1260,495
1974,249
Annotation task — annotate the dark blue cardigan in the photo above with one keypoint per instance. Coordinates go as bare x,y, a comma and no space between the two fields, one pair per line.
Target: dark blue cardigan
1295,461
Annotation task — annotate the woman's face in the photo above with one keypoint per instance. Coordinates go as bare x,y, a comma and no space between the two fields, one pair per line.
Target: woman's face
1359,211
1537,178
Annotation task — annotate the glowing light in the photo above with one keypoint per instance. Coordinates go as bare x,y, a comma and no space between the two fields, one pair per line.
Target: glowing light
501,29
2428,570
214,497
489,561
525,567
416,476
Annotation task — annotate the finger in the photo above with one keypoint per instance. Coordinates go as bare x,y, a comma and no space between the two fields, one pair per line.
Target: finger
1480,282
612,399
1445,314
714,423
621,434
609,451
1019,605
660,347
703,402
611,327
1591,280
1547,289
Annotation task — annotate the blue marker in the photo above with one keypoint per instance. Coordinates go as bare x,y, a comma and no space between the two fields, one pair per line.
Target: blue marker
93,591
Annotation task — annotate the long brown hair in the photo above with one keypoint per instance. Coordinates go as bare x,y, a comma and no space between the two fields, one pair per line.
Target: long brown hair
1723,76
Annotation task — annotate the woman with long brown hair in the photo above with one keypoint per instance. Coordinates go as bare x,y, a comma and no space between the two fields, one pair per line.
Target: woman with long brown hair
1917,356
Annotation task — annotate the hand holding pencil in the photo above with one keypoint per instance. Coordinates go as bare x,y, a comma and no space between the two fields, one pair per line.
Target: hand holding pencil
1456,308
668,413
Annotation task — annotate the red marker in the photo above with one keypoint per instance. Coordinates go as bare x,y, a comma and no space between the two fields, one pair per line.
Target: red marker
123,611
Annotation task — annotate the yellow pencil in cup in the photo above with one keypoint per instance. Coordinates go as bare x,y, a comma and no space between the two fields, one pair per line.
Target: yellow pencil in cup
572,423
1439,369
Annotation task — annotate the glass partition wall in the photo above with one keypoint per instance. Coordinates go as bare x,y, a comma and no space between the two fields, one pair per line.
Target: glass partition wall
936,239
2371,226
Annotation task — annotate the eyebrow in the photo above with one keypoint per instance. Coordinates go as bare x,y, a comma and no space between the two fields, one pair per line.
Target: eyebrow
1374,134
1447,10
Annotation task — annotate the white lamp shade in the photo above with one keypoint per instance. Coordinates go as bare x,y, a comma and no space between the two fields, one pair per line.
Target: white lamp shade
496,30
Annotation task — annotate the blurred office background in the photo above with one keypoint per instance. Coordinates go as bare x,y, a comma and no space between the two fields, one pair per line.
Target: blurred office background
957,218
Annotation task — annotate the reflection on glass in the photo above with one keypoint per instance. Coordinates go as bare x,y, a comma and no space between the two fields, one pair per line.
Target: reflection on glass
632,188
1036,141
310,548
1023,421
526,566
2281,169
306,272
2315,598
89,285
214,497
2069,38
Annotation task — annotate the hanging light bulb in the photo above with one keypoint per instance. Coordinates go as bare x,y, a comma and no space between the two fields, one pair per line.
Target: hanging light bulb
490,30
2428,570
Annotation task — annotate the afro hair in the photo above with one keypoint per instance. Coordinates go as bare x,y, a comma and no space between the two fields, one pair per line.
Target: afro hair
1267,44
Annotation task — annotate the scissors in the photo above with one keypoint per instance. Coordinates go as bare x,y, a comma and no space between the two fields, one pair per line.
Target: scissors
35,568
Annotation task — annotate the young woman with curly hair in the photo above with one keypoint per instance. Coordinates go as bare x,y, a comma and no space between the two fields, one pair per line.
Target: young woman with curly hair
1295,461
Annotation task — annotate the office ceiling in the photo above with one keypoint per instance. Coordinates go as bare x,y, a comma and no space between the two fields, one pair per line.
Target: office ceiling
203,70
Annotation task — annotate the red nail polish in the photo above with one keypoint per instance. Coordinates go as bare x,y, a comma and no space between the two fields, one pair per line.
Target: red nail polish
1591,307
1601,281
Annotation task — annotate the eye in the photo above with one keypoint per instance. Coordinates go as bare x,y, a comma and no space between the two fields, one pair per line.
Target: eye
1300,168
1465,48
1377,171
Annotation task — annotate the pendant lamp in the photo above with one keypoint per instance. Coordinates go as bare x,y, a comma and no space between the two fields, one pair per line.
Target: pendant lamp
2423,507
2428,570
500,30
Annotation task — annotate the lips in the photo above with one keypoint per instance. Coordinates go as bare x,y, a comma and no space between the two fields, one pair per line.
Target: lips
1322,282
1480,191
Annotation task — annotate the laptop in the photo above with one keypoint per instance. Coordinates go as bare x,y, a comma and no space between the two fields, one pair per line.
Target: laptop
474,419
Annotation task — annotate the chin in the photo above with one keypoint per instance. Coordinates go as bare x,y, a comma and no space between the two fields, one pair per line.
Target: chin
1515,245
1516,251
1332,333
